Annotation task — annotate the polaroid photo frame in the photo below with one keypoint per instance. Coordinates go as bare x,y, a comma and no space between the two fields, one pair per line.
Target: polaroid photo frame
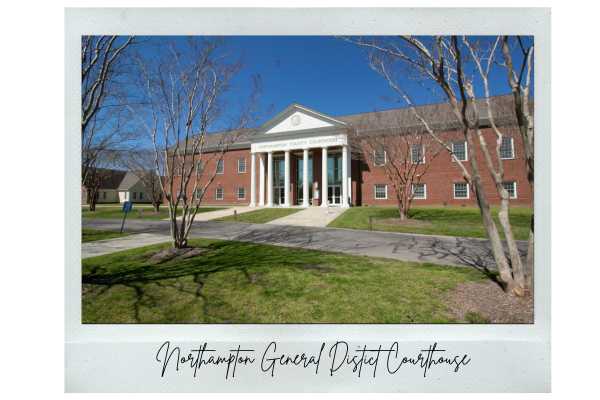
337,358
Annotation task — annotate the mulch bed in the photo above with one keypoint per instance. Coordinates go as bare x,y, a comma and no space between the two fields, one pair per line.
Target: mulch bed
487,300
172,253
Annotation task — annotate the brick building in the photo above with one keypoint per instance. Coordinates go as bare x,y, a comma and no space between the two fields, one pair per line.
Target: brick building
303,145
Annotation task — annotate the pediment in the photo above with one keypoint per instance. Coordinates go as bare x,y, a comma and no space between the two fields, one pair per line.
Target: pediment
299,118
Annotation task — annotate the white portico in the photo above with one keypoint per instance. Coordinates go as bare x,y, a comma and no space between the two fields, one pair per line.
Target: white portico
300,158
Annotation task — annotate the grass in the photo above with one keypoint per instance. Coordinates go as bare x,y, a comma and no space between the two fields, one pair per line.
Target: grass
448,221
91,235
138,212
234,282
261,216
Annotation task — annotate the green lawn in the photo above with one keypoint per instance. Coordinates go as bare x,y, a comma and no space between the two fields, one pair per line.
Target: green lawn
234,282
451,221
138,212
261,216
91,235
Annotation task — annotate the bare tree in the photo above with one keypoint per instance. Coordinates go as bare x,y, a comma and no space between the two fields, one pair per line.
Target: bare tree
450,65
184,91
403,154
102,111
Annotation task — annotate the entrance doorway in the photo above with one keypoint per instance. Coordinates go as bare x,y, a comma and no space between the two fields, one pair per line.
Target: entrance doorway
279,181
334,179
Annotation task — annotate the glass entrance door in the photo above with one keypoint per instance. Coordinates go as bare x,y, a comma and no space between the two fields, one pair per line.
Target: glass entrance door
278,181
334,179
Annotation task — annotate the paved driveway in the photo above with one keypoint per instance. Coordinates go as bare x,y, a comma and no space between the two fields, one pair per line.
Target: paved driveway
444,250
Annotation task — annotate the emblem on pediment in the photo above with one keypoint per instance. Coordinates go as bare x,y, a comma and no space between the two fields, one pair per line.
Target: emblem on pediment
296,120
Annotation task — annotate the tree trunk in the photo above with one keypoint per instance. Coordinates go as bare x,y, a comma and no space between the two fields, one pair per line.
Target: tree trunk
506,278
156,207
403,214
529,261
513,250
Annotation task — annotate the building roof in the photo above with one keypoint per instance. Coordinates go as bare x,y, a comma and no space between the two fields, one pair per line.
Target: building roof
440,117
111,178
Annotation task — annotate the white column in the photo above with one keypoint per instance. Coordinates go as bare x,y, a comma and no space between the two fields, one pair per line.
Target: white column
344,176
305,179
349,177
287,179
324,184
261,176
270,179
252,180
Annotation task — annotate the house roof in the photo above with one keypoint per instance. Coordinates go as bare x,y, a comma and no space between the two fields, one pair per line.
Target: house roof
111,178
128,181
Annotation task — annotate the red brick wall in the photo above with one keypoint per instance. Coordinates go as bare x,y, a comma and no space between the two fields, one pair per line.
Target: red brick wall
442,173
440,176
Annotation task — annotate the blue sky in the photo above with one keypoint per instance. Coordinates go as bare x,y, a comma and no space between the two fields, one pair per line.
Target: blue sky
321,72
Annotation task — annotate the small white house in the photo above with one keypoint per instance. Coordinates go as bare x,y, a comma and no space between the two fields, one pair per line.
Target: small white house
132,189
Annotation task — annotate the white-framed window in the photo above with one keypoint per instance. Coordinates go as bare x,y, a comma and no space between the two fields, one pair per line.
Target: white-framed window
135,195
241,193
417,154
199,167
141,195
459,149
380,192
220,166
219,193
507,148
511,188
419,191
379,157
461,190
198,193
241,166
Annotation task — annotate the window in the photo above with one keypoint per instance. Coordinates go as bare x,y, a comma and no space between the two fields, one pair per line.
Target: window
219,193
416,154
419,191
507,148
141,195
198,193
104,195
460,150
135,195
511,187
461,190
379,157
380,192
241,193
199,167
242,166
220,166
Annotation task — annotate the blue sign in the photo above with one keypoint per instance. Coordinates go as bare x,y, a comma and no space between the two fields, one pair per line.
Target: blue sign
127,206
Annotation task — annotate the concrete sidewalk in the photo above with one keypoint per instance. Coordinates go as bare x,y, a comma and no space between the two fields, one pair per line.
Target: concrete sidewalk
443,250
210,215
311,216
101,247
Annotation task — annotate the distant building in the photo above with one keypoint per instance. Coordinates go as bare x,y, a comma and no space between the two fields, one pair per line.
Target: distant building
119,186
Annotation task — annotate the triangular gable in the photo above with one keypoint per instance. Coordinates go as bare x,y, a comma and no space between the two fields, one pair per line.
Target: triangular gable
299,118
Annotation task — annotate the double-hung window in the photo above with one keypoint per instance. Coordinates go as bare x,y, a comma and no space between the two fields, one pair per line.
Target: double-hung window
459,149
417,154
220,166
511,188
241,193
507,148
219,193
419,191
461,190
380,192
241,166
379,157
